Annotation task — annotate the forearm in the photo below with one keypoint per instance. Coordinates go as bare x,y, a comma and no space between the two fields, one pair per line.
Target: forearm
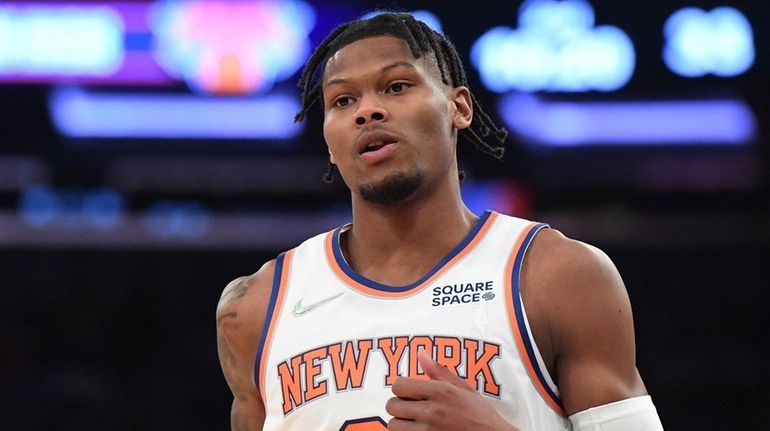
237,422
240,421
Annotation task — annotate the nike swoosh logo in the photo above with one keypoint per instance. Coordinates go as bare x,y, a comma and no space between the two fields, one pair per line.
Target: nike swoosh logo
300,309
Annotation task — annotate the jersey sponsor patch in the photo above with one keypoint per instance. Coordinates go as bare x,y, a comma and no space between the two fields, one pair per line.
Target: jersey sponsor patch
463,293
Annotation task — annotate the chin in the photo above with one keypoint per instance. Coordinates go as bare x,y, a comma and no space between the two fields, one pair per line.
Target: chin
395,188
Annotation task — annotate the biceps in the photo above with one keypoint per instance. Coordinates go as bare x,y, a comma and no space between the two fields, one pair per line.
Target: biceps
600,366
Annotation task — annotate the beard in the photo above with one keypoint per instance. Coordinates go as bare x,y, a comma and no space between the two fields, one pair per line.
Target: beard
395,188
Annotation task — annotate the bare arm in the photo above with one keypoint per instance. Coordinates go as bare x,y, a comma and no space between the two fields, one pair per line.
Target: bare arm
581,319
240,317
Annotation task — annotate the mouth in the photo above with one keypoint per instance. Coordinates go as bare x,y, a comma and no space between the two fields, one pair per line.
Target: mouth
377,145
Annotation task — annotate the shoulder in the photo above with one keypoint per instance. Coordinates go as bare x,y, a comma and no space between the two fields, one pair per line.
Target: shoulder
580,313
563,281
568,265
245,298
571,288
247,285
566,270
240,318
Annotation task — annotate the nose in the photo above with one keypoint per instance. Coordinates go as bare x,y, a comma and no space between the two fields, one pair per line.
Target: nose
370,110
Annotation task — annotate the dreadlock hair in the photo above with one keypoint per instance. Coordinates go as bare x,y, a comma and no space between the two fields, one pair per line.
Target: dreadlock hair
421,40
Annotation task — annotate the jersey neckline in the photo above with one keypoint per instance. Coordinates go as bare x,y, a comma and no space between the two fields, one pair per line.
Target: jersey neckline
365,285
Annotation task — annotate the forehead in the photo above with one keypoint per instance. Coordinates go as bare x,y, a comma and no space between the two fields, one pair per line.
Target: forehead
370,55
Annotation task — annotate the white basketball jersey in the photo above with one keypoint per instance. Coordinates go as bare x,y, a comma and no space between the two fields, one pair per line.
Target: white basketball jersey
334,341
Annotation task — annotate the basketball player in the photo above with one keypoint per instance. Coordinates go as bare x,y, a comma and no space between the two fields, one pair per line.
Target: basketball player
420,315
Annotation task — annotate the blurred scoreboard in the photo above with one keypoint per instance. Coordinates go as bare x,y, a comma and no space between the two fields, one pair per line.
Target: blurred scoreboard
238,60
169,123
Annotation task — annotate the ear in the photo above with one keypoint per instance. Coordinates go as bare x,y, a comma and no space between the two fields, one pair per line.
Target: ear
462,107
331,156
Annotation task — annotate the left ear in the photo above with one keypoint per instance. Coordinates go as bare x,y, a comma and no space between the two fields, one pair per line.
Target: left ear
462,107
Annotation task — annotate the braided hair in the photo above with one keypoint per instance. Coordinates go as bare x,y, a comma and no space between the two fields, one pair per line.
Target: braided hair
421,40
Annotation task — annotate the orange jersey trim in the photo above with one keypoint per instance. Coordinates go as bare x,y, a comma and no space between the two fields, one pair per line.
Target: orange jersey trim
280,283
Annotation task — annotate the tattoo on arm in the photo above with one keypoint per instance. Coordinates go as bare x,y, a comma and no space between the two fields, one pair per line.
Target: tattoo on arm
229,363
232,331
226,355
236,289
231,315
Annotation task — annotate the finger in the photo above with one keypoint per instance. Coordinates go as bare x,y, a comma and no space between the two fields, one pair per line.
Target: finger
412,389
433,369
406,409
439,372
397,424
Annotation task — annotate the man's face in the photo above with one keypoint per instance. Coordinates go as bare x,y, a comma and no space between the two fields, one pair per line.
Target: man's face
389,122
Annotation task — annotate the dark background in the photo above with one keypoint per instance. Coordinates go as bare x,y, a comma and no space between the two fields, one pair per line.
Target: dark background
100,331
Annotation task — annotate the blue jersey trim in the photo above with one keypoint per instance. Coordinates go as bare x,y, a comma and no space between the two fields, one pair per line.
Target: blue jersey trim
386,288
518,309
269,315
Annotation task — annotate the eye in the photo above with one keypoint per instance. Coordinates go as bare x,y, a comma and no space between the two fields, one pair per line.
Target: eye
343,101
397,87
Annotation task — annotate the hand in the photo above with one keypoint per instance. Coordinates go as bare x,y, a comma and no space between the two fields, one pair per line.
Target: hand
444,402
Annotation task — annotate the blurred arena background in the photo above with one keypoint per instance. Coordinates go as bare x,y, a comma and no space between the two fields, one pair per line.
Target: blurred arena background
148,156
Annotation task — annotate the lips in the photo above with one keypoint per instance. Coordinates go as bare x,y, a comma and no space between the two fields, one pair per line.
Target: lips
374,140
374,146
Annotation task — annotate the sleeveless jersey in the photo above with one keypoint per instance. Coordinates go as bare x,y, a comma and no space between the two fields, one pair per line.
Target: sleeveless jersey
334,341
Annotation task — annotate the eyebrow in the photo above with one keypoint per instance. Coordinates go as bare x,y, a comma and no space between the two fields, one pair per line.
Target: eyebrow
338,81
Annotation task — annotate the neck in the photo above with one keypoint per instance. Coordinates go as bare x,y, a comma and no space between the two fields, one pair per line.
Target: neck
412,236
